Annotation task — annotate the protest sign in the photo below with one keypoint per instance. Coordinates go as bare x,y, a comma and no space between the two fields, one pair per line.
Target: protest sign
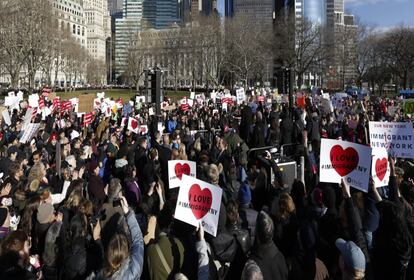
240,95
380,168
396,137
143,129
133,125
197,202
176,169
350,161
140,99
29,131
6,116
409,106
12,102
86,103
392,110
34,100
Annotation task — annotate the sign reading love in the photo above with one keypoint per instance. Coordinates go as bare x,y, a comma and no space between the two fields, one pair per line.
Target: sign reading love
199,200
381,166
181,169
344,161
178,168
134,124
380,169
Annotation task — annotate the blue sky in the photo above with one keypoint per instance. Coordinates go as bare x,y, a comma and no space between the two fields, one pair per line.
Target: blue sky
382,13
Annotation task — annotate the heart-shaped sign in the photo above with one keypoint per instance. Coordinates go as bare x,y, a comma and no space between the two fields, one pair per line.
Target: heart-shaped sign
200,201
181,169
344,161
381,166
134,124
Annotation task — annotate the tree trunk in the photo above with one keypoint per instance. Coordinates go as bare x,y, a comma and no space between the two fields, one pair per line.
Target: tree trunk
14,79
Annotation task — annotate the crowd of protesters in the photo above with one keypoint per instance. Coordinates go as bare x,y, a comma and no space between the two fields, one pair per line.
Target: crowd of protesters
93,202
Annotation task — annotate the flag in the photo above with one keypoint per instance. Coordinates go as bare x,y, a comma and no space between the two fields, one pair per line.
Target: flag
66,106
34,112
87,119
46,92
41,103
56,104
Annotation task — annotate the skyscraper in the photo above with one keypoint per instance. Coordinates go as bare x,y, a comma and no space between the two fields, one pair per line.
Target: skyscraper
259,11
314,11
125,27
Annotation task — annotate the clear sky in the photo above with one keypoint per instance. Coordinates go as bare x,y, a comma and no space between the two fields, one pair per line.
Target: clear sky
382,13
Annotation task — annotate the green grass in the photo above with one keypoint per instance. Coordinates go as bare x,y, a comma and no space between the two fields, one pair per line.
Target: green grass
125,94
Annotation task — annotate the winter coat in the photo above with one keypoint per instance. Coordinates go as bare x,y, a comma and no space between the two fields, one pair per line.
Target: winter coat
270,260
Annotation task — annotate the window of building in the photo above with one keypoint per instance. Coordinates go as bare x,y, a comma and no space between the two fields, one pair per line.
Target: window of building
74,29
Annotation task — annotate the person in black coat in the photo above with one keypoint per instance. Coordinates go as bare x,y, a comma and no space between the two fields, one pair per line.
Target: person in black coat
264,253
247,214
246,123
286,128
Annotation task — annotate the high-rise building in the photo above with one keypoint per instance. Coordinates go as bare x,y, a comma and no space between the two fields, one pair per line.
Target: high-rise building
125,27
99,27
315,11
259,11
115,7
71,16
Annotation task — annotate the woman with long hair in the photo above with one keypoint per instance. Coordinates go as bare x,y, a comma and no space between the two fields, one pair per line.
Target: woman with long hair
29,215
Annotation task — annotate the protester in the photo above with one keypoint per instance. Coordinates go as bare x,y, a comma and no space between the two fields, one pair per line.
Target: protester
90,199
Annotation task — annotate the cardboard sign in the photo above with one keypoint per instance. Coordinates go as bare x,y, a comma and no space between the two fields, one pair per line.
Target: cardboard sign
86,103
380,167
341,159
133,125
396,137
29,131
178,168
198,202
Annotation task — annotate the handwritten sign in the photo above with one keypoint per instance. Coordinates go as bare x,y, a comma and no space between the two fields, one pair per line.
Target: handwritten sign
396,137
197,202
178,168
86,103
341,159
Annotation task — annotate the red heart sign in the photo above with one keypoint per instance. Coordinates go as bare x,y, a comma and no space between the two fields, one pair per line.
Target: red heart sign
181,169
381,166
344,161
200,201
134,124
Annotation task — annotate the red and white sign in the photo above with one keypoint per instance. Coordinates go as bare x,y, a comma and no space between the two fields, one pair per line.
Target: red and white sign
350,161
143,129
184,105
380,167
178,168
87,119
133,125
197,202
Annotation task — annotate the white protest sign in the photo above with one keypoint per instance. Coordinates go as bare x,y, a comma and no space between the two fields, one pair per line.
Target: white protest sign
161,127
224,106
197,202
11,93
192,95
11,101
140,99
350,161
240,95
190,102
133,125
380,167
29,131
396,137
151,111
143,129
178,168
20,95
325,96
6,117
33,100
100,94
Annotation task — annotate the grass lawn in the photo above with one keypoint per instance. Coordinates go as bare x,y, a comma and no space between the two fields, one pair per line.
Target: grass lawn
125,94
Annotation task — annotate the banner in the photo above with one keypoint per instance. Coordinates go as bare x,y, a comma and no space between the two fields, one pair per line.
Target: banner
380,167
409,106
341,159
178,168
396,137
86,103
197,202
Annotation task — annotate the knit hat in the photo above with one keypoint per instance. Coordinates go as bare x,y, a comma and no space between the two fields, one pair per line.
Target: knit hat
3,215
245,195
353,256
44,212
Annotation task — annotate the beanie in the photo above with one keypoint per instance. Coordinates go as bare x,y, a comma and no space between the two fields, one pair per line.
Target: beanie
245,195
